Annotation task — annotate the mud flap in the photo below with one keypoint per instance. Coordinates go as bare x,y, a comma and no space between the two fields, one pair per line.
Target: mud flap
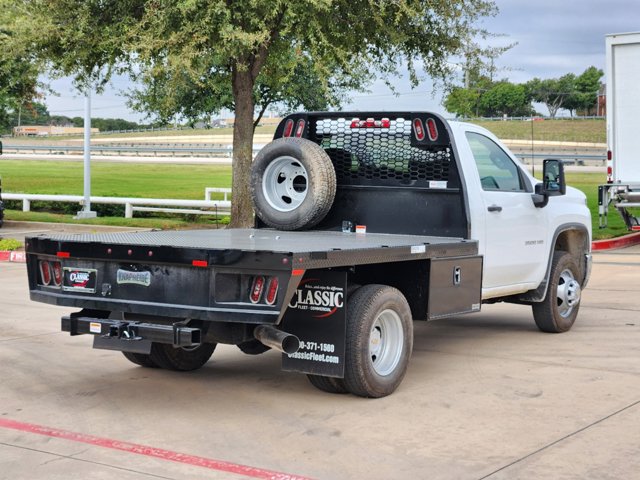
317,316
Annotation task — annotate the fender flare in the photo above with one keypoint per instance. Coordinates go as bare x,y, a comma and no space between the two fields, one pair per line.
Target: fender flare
538,295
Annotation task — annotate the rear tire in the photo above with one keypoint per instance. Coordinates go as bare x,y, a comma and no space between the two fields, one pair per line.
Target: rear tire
293,184
253,347
141,359
559,309
328,384
182,358
379,341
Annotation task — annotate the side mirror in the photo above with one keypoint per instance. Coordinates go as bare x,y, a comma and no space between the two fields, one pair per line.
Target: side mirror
553,182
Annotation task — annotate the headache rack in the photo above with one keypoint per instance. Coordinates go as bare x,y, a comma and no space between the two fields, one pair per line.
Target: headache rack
395,172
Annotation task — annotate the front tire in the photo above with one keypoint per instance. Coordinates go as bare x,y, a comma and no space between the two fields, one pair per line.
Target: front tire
182,358
559,309
379,341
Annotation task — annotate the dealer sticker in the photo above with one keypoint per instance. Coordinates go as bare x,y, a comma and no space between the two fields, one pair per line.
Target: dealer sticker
80,279
438,184
137,278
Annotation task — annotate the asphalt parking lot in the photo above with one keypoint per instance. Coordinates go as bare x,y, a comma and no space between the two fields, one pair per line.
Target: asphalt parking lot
486,396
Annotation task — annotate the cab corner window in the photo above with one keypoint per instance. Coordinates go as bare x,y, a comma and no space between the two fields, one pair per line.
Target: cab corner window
496,169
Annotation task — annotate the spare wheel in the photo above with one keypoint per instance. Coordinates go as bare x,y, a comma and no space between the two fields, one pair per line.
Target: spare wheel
293,184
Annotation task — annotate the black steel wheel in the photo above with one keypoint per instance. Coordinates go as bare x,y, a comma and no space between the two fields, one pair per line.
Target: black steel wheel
328,384
293,184
559,309
142,359
379,341
181,358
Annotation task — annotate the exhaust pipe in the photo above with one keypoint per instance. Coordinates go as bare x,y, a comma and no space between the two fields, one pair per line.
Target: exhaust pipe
277,339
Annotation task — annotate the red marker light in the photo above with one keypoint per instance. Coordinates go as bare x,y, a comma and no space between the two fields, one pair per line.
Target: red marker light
609,155
355,123
418,129
385,123
63,254
432,129
288,128
300,128
200,263
272,291
297,273
256,289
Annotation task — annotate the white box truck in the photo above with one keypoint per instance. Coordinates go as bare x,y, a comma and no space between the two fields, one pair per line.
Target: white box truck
623,125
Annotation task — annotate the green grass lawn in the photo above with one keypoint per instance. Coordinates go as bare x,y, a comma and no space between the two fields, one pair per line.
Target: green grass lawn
114,179
588,130
183,182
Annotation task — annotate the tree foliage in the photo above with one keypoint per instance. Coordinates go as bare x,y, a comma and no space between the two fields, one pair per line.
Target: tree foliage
18,70
241,52
488,99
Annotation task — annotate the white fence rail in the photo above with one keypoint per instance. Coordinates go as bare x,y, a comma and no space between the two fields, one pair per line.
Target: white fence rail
132,204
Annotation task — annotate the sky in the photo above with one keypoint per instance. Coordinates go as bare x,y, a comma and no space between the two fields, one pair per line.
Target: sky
553,37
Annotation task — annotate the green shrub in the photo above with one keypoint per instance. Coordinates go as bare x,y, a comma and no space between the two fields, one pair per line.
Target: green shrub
9,244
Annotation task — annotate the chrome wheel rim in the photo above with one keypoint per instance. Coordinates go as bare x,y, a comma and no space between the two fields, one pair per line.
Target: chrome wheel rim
568,293
386,342
285,184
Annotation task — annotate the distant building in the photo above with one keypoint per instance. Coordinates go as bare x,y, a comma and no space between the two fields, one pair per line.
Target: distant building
46,130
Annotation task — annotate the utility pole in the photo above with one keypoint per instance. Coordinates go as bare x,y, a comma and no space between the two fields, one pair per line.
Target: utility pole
86,211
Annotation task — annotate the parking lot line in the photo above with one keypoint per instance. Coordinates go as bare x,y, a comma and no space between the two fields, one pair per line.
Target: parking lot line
212,464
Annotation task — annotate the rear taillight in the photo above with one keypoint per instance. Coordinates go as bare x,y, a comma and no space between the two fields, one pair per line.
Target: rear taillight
288,128
272,291
418,129
432,130
300,128
57,273
257,287
264,290
45,272
50,273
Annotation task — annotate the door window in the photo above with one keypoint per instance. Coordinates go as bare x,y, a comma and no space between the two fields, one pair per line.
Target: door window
496,169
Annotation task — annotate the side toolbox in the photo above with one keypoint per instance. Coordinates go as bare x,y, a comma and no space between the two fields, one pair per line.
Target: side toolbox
455,286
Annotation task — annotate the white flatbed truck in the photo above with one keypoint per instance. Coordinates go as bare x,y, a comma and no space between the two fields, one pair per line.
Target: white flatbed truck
365,222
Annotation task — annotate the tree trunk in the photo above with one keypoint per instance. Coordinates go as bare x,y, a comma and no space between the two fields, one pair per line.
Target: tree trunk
241,205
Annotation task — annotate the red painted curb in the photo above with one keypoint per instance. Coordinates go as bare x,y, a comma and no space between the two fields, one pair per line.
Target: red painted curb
145,450
620,242
10,256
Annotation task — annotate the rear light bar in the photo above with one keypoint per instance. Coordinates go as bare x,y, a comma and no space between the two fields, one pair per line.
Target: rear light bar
370,123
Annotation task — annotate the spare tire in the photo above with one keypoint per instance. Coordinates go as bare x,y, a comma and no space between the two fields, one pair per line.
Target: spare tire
293,184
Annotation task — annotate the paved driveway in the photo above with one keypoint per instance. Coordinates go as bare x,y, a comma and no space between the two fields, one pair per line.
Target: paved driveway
486,396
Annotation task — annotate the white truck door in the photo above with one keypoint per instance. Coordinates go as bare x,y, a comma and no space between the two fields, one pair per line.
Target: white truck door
514,243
